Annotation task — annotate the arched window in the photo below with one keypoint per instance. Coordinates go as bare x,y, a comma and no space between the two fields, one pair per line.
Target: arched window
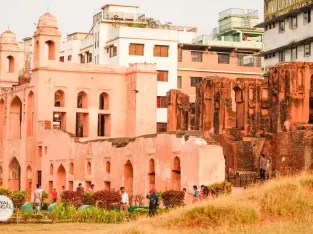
59,98
51,169
108,167
82,100
88,168
176,174
29,173
104,101
50,50
10,64
15,118
71,168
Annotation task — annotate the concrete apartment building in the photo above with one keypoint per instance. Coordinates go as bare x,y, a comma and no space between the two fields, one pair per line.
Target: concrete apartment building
229,51
120,35
288,32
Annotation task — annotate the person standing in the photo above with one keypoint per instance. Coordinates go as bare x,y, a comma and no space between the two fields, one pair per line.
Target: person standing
37,199
79,188
124,200
91,189
185,197
153,202
195,194
54,196
263,165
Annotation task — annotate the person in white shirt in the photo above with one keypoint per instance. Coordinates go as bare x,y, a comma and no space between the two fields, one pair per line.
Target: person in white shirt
37,199
124,200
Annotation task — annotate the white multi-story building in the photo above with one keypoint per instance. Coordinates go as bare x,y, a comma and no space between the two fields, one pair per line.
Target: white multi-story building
288,32
121,36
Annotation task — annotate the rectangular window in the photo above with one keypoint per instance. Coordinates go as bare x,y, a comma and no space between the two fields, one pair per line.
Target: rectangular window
223,58
62,59
161,102
136,49
113,51
179,82
194,81
281,26
307,16
180,55
69,58
196,56
293,53
281,56
307,49
160,51
82,58
89,57
294,22
162,76
161,127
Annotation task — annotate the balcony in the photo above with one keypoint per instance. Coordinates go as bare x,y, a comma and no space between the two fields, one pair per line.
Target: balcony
238,12
119,17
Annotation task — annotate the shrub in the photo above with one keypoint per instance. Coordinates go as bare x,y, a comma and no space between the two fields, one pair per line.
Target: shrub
88,198
72,198
223,188
5,191
139,200
212,216
107,198
140,212
173,198
45,196
19,198
45,206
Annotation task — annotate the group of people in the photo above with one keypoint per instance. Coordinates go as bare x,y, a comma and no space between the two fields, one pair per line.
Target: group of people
198,195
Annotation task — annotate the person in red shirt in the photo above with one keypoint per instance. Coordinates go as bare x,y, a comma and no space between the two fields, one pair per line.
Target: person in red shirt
54,196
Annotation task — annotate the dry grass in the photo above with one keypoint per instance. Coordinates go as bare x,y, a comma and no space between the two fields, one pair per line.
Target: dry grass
282,206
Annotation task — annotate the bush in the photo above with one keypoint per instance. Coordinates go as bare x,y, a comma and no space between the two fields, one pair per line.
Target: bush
72,198
139,200
5,191
88,198
107,199
44,196
70,214
140,212
45,206
223,188
173,198
212,216
19,198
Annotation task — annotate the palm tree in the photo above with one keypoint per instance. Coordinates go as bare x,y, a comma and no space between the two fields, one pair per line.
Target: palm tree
153,23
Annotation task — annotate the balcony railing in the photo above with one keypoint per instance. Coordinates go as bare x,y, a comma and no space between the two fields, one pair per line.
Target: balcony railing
238,12
119,16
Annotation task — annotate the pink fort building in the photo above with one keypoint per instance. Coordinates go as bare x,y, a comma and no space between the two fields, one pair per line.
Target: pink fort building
65,123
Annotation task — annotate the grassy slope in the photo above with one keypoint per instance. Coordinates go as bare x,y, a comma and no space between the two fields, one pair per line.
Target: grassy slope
282,206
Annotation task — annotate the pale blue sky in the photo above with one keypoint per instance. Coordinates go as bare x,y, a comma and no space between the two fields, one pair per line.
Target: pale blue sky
76,15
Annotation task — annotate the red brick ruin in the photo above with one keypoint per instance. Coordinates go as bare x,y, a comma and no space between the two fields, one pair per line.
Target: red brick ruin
248,117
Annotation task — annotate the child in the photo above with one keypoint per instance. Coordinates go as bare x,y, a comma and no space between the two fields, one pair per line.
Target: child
54,195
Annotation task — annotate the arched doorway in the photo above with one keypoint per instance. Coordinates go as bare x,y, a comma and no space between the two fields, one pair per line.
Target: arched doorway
128,177
61,177
16,118
240,108
151,174
14,175
176,174
29,184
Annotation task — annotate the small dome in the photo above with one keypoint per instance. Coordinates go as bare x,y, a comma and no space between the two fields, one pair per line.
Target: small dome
8,37
47,20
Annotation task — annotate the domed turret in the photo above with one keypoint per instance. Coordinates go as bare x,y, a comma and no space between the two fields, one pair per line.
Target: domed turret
47,21
8,37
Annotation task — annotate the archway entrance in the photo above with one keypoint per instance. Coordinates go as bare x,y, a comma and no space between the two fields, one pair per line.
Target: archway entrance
14,175
151,174
176,174
128,178
61,177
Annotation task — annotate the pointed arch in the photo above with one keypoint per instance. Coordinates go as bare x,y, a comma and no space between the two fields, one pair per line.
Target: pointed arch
104,101
51,168
151,174
240,108
14,175
71,169
176,174
15,118
59,98
29,174
82,100
1,118
30,113
50,50
88,168
128,177
61,177
10,64
108,167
